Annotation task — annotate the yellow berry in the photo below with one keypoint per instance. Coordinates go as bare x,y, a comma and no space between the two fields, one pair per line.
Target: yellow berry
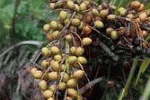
72,83
79,51
53,76
62,85
82,60
87,41
48,93
43,84
72,92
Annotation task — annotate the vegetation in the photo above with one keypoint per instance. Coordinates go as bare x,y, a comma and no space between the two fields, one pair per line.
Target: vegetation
58,49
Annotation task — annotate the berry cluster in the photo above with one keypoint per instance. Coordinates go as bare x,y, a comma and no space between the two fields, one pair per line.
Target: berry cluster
72,32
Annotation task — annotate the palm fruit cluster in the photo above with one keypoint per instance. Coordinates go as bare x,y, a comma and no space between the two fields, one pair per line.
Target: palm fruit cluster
78,21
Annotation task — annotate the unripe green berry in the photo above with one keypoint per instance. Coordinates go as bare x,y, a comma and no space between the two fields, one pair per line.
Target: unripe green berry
104,13
87,41
46,27
57,57
95,12
52,5
54,25
71,59
44,64
68,38
99,24
55,50
62,85
72,83
56,34
72,92
38,74
79,51
64,76
82,60
48,93
111,17
78,74
83,6
43,85
55,65
46,51
76,22
114,35
70,4
53,76
63,15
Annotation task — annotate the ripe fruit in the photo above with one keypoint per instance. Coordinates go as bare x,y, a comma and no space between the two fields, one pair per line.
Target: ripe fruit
69,98
72,92
72,83
68,38
38,74
71,59
135,4
70,4
48,93
64,76
46,51
43,84
54,50
49,37
53,87
141,8
56,34
103,13
144,33
114,35
55,65
87,29
53,76
53,24
87,41
76,22
78,74
79,51
33,70
44,64
63,15
82,60
62,85
57,57
83,6
99,24
46,27
143,16
73,50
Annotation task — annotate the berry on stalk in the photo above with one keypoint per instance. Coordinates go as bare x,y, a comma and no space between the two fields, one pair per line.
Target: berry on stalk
99,24
43,85
87,41
82,60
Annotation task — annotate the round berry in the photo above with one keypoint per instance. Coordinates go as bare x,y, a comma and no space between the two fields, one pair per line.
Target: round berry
79,51
43,85
55,50
72,83
82,60
99,24
48,93
53,76
87,41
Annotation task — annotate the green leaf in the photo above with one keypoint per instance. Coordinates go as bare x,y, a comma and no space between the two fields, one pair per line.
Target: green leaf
144,64
143,67
23,8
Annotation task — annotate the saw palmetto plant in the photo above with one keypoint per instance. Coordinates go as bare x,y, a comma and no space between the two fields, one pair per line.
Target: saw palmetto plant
92,50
